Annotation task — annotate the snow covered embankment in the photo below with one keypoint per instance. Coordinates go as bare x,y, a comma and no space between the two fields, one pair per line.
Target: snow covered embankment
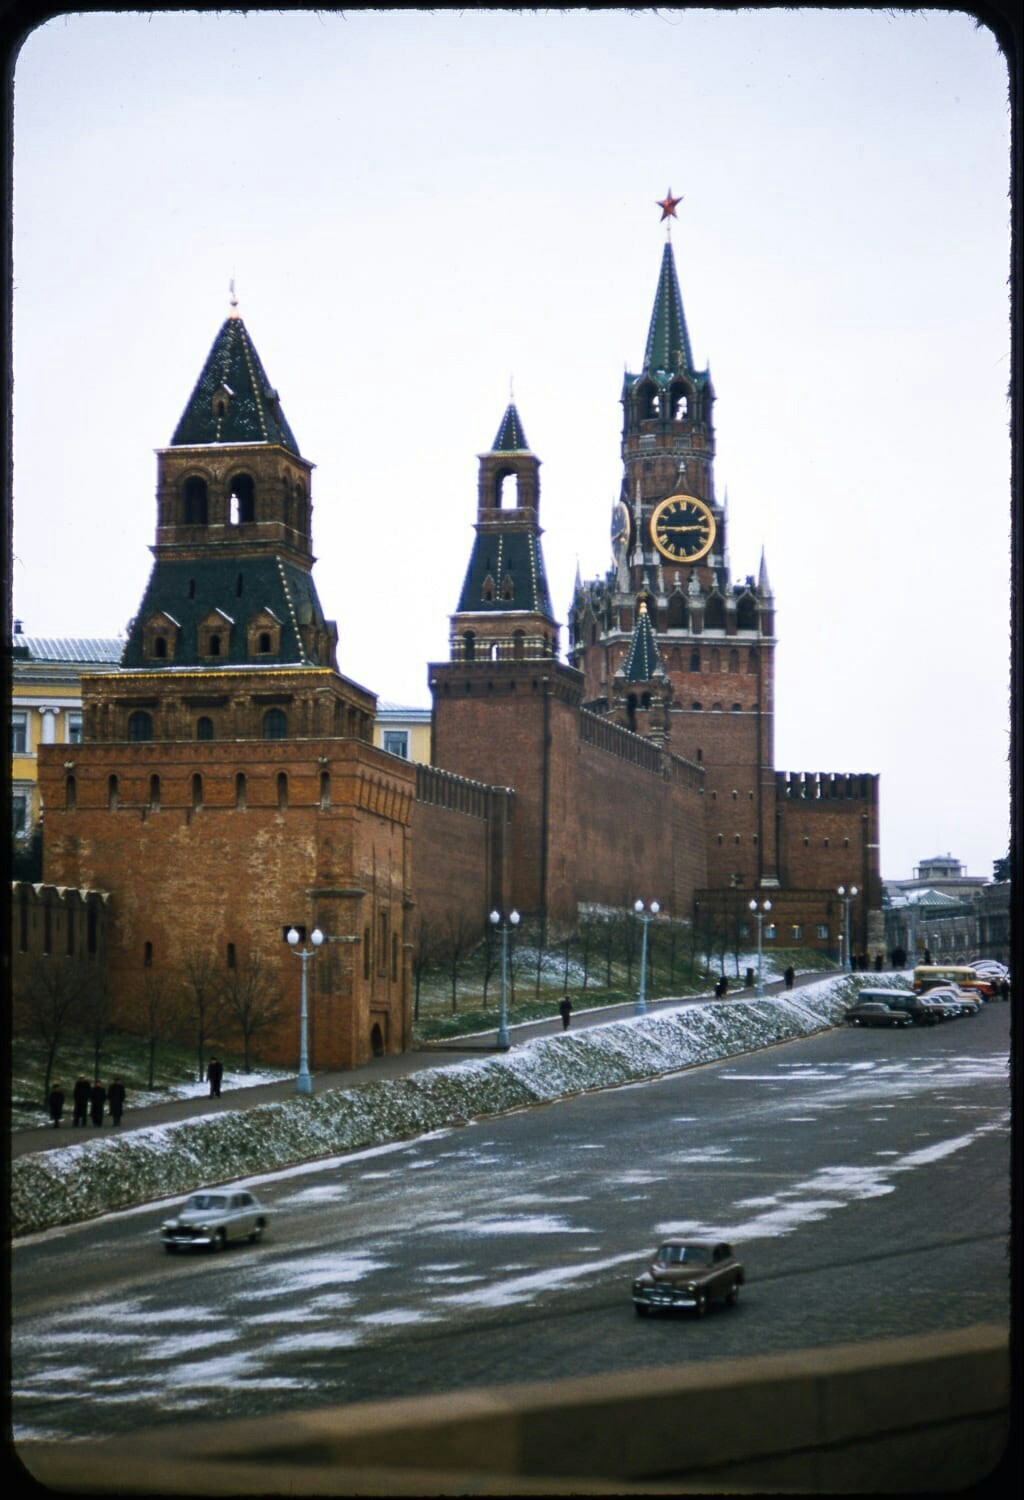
80,1182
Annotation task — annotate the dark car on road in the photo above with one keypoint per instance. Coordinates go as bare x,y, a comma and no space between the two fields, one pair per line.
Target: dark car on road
876,1013
921,1010
688,1274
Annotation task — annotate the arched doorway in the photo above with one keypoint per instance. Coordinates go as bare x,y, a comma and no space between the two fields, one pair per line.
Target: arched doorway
377,1041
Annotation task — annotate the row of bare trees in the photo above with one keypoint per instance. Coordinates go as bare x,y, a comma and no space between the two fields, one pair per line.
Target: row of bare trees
56,998
591,954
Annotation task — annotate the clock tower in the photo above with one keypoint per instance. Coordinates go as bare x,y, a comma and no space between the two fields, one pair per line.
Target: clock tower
670,572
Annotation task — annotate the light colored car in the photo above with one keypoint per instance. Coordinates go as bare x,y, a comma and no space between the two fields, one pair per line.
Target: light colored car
210,1219
967,1002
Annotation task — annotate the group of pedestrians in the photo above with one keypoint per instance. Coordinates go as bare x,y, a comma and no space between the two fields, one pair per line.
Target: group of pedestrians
89,1100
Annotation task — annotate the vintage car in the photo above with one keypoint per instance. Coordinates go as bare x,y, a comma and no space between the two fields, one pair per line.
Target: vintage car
877,1013
964,1002
921,1009
209,1219
690,1274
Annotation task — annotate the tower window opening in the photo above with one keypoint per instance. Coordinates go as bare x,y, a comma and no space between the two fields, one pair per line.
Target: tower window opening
469,645
694,661
147,955
214,645
197,791
204,728
232,957
196,503
325,788
191,588
70,794
264,645
507,492
282,789
154,793
160,646
111,792
140,725
240,789
238,586
275,724
243,500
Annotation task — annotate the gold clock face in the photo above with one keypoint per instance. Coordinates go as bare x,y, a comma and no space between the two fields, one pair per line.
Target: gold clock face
683,528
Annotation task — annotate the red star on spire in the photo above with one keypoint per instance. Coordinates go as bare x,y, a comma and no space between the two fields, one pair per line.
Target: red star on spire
668,205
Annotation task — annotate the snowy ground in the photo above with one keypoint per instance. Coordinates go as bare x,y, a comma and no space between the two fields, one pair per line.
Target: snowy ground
101,1175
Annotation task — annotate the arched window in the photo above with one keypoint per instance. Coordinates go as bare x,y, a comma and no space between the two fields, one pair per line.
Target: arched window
714,613
677,612
111,792
214,645
746,614
204,728
160,646
195,501
325,788
140,725
694,661
154,793
282,788
197,791
265,644
240,789
275,724
243,500
469,643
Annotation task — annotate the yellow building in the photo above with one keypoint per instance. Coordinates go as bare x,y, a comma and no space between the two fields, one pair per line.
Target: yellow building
403,731
46,708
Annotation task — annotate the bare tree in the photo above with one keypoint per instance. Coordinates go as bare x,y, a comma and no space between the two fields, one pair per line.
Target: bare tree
458,938
95,1012
491,959
424,956
48,1000
161,1015
204,1000
253,1000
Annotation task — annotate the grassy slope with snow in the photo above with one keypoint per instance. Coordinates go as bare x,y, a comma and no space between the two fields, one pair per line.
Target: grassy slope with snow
79,1182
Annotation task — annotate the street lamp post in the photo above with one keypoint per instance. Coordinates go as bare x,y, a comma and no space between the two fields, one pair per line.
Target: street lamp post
760,912
846,897
645,918
304,1083
504,1041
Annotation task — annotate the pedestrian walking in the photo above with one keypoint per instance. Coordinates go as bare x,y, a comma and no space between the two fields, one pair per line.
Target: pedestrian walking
214,1072
115,1100
1004,989
56,1105
565,1011
789,976
80,1098
749,979
97,1099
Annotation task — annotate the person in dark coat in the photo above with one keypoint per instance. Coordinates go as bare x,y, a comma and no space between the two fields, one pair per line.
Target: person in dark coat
56,1105
81,1101
749,979
214,1072
789,977
1004,989
115,1100
97,1099
565,1011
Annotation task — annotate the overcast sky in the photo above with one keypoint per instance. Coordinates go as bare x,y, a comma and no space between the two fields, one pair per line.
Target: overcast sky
419,208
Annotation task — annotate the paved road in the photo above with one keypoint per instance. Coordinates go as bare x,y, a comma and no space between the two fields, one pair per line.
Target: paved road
45,1138
863,1174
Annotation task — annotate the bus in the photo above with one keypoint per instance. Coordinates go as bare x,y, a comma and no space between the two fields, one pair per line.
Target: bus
927,976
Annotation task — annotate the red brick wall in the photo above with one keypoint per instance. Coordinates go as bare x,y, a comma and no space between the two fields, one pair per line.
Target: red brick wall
192,880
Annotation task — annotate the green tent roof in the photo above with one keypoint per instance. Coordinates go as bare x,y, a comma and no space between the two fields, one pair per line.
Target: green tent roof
250,411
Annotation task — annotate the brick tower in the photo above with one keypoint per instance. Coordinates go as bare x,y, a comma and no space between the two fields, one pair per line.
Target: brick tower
227,785
713,639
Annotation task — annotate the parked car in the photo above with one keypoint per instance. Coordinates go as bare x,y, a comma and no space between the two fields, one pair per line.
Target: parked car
921,1009
964,1002
211,1219
876,1013
690,1274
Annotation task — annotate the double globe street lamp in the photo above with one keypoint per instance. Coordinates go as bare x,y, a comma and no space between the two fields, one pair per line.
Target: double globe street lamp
304,1083
645,918
760,911
504,1042
846,896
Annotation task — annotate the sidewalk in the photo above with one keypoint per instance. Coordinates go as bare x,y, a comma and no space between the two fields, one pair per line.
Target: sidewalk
400,1065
